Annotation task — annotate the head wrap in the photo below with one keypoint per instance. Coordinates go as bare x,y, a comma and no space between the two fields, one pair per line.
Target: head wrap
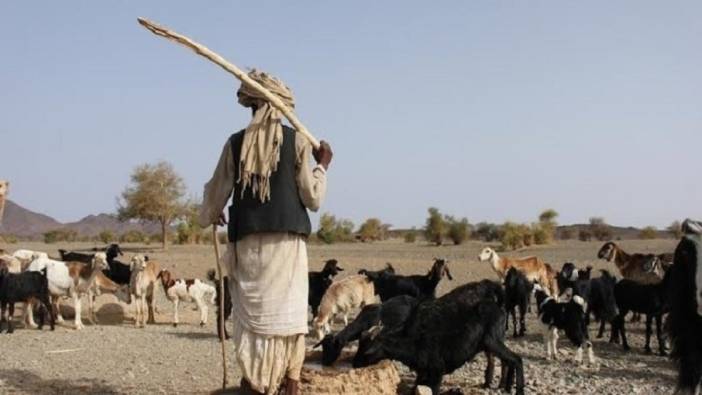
260,147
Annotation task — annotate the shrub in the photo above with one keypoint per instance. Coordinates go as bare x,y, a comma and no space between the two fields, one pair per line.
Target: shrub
512,236
57,235
648,233
435,229
542,234
458,231
132,236
584,235
599,229
487,232
410,236
344,230
9,239
565,234
331,230
371,230
546,227
106,236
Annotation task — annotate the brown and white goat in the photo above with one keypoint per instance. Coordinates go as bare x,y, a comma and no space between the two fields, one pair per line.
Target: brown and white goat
532,267
142,282
636,267
341,297
187,290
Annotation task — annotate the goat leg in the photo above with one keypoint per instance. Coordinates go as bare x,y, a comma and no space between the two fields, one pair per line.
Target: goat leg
659,335
512,360
489,370
10,312
649,330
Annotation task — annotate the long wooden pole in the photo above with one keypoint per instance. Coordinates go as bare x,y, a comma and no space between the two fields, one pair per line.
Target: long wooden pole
231,68
222,295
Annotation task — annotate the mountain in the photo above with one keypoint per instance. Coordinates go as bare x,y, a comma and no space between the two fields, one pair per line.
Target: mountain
24,223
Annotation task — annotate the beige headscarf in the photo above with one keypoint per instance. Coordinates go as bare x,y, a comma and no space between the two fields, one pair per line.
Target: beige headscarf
260,148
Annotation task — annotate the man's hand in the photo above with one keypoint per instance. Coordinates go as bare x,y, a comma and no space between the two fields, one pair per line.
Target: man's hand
323,155
221,220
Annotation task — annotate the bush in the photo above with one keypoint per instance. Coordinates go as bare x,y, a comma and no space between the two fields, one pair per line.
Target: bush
410,236
458,231
331,230
546,227
648,233
9,239
106,236
599,229
565,234
584,235
57,235
542,234
487,232
512,236
435,229
132,236
371,230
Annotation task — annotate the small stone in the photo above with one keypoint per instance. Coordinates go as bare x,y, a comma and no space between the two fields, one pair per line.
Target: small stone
422,390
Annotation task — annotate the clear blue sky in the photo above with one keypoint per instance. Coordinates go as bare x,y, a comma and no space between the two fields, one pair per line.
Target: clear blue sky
486,109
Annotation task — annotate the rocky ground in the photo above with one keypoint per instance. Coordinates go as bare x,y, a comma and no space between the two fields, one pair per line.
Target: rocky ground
115,357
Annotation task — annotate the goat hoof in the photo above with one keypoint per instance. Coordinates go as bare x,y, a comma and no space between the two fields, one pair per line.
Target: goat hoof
175,325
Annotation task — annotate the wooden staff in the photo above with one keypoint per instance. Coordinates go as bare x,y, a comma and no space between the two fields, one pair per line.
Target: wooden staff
243,77
222,295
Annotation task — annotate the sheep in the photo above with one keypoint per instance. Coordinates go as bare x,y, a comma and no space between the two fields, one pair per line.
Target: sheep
319,282
650,299
532,267
141,286
72,279
342,296
187,290
389,285
517,294
21,287
441,335
211,275
685,318
395,310
566,316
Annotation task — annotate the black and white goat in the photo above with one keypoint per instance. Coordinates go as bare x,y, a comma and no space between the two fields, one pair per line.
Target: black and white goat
518,291
212,276
441,335
392,312
566,316
23,287
685,318
650,299
388,285
319,282
567,277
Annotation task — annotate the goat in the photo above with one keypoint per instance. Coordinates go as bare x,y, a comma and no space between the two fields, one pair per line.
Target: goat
650,299
22,287
566,316
142,282
102,284
319,282
533,268
441,335
517,294
388,269
187,290
211,275
120,272
635,267
389,285
685,318
567,277
72,256
341,297
599,296
27,256
395,310
72,279
12,264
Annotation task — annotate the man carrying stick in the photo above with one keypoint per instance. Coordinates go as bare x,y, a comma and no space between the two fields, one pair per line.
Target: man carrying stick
266,169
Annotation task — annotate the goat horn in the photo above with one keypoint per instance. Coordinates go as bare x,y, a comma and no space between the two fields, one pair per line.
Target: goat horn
231,68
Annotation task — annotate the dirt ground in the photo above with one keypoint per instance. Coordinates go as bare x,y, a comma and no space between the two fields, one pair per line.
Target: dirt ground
114,357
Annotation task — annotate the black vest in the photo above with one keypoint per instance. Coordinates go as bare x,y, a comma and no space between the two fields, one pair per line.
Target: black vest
284,212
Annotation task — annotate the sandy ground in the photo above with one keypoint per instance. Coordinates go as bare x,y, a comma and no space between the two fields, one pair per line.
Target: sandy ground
114,357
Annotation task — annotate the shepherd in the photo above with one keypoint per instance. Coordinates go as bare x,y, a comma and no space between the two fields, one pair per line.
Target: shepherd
266,170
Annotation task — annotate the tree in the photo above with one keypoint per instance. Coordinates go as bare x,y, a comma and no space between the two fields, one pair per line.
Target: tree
675,229
155,194
371,230
599,229
546,227
410,236
106,236
648,233
458,230
487,232
512,236
327,226
584,235
435,229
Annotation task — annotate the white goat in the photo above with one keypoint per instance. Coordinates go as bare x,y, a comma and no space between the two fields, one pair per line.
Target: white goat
27,256
341,297
187,290
73,279
141,284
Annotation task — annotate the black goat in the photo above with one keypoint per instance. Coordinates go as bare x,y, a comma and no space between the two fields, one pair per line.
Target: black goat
388,285
212,276
685,318
72,256
23,287
393,312
650,299
566,316
319,282
119,272
387,270
517,294
599,295
441,335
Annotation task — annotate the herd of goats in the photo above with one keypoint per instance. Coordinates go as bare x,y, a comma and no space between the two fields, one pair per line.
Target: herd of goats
432,336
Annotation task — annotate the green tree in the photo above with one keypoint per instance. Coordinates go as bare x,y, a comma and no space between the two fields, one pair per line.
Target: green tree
512,236
132,236
106,236
371,230
154,194
547,227
487,232
327,228
648,233
410,236
435,229
458,230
